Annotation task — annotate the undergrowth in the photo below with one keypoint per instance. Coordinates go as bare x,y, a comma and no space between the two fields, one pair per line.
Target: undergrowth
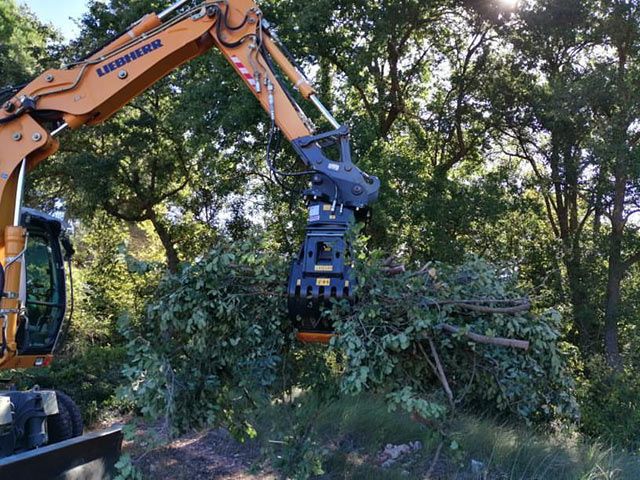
349,434
89,377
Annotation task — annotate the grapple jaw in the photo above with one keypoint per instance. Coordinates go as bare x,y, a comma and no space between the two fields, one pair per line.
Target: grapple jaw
323,268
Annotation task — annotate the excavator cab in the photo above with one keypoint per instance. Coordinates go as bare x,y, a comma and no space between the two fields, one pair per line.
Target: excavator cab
41,430
43,283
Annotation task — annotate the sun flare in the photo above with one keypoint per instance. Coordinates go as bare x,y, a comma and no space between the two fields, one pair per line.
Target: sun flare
509,4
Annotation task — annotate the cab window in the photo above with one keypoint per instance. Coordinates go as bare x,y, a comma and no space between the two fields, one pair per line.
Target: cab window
45,304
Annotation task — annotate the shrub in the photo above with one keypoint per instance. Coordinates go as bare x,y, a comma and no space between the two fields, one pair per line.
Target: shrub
610,403
212,341
90,377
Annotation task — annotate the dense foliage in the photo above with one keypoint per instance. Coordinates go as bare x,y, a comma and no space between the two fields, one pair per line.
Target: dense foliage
394,339
212,341
609,403
216,345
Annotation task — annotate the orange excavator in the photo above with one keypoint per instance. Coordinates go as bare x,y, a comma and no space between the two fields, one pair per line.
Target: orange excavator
33,246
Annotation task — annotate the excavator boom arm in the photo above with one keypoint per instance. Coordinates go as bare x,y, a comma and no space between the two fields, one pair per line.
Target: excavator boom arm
91,90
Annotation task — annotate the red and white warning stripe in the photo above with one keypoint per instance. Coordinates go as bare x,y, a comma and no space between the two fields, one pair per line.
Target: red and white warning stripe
244,71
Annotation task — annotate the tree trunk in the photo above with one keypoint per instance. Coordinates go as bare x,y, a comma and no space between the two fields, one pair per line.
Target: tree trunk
167,242
616,270
611,348
582,310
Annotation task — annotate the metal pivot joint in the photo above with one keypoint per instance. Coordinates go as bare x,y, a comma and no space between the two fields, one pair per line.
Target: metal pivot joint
342,182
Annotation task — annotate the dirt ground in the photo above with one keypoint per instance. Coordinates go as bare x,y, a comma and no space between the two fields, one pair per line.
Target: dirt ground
209,455
216,455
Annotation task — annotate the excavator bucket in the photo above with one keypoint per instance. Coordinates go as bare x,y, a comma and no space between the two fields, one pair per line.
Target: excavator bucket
88,457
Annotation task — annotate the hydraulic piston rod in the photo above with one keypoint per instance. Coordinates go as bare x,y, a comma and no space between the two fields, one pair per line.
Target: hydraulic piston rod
19,192
167,11
325,112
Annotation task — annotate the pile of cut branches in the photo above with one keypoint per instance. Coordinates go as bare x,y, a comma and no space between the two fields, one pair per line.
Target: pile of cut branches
216,345
442,336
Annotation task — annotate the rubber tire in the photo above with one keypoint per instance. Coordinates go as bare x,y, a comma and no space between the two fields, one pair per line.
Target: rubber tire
74,412
59,426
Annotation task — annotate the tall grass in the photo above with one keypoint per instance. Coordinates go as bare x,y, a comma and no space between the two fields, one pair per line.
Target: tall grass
522,454
353,431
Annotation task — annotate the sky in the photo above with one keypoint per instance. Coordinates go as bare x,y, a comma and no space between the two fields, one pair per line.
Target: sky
59,13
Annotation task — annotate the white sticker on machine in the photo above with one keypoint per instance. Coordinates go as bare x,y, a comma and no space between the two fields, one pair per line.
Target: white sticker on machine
334,166
314,213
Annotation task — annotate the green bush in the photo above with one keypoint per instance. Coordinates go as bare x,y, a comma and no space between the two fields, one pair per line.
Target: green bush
90,378
610,403
212,341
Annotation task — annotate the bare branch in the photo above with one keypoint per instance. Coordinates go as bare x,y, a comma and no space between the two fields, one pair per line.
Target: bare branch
441,374
476,337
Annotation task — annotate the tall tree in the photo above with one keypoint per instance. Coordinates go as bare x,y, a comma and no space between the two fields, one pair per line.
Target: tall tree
25,44
165,158
616,137
409,76
547,123
570,112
